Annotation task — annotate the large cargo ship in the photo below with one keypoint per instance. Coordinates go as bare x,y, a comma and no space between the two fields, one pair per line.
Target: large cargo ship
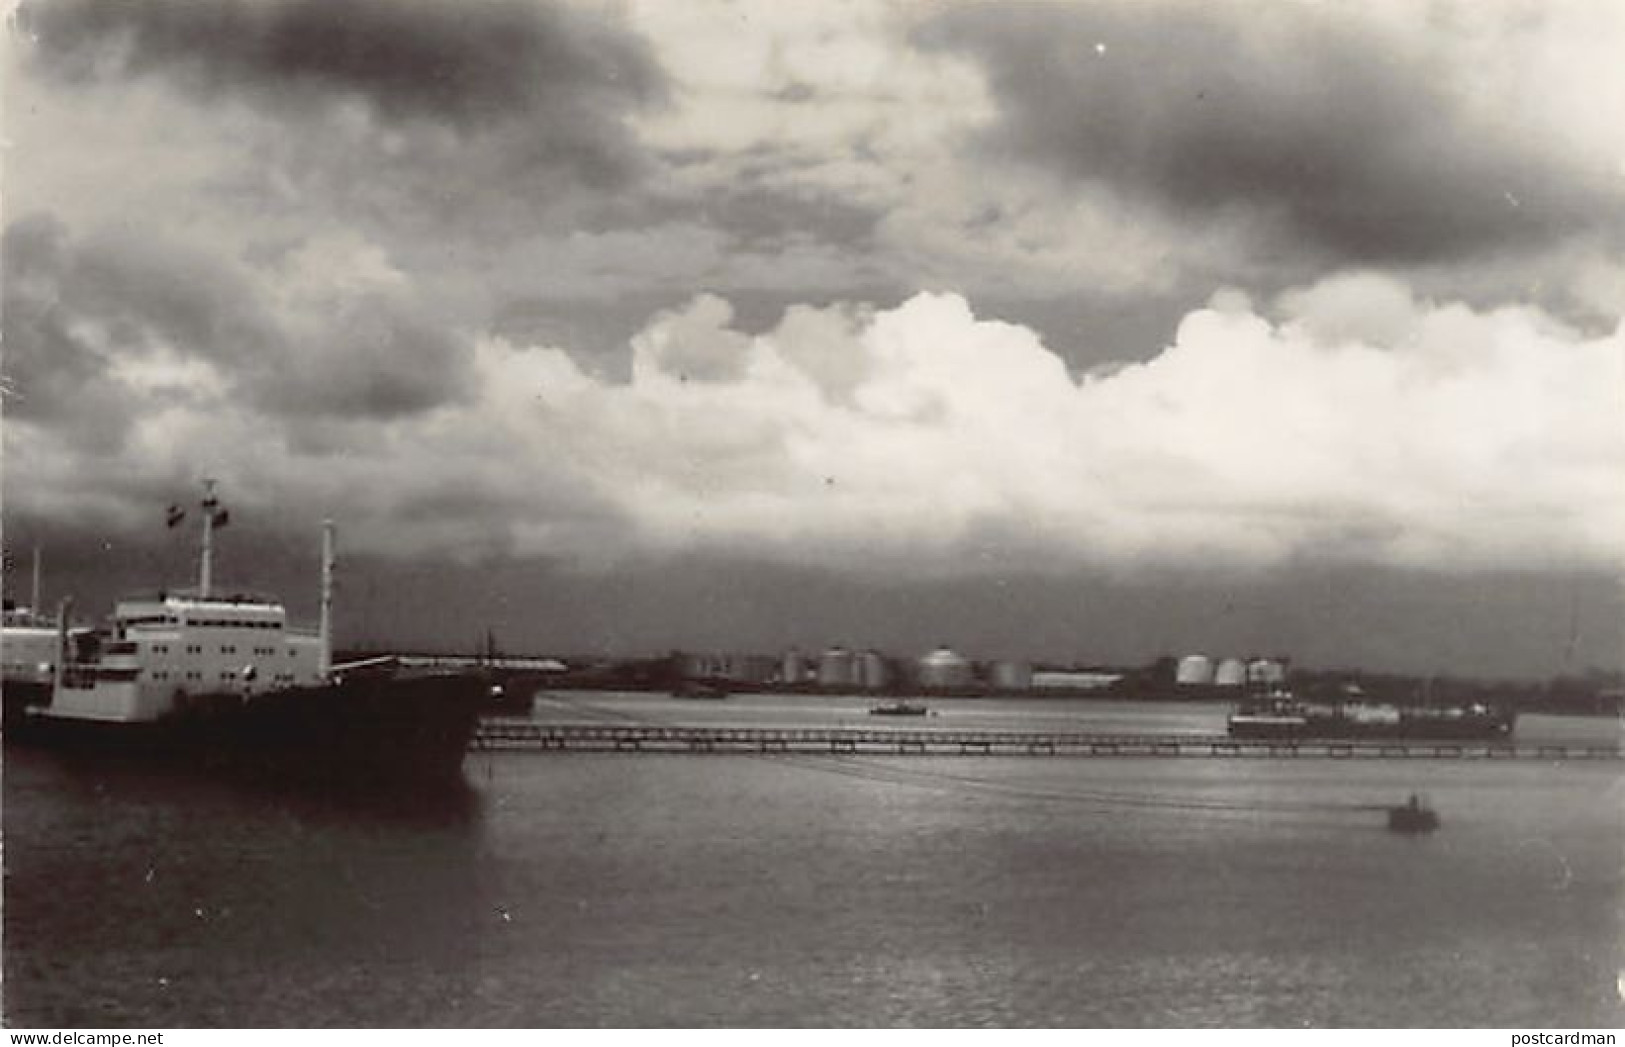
224,680
1282,715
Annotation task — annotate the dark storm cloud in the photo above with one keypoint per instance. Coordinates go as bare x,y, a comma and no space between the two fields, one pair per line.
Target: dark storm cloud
51,376
466,65
376,360
74,310
1344,135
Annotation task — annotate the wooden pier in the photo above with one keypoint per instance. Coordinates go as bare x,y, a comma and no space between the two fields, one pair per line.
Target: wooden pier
515,734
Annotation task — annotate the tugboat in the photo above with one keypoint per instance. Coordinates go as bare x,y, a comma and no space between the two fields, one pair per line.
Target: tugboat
1414,816
222,680
1274,716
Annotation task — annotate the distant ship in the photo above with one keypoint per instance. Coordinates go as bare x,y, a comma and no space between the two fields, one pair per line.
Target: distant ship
900,708
700,690
1281,715
29,646
224,680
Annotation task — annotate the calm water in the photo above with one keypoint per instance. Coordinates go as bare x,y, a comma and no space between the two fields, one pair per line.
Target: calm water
572,890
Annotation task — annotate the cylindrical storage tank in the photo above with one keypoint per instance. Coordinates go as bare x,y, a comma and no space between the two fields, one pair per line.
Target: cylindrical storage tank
1266,671
793,667
837,667
873,673
1012,676
1194,670
944,668
1232,672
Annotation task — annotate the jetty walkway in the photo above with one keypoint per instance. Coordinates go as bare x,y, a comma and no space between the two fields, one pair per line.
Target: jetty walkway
518,734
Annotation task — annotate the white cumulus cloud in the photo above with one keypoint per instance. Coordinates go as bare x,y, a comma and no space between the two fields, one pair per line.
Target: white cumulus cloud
1348,422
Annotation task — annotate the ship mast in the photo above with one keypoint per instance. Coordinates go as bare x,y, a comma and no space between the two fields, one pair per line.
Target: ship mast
211,505
325,663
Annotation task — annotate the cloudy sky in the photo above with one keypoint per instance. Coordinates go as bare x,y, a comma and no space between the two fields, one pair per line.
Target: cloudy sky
1083,331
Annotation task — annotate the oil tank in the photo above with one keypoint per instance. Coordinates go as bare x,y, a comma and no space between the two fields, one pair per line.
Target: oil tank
1232,672
1267,672
1012,676
837,667
793,667
1194,670
944,668
873,672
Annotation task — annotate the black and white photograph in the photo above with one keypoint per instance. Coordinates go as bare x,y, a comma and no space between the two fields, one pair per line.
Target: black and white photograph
789,514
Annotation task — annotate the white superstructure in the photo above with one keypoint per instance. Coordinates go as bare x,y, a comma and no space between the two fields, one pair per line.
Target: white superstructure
29,649
165,653
167,650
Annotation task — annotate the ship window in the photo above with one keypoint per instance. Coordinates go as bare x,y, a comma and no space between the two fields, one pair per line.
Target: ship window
228,648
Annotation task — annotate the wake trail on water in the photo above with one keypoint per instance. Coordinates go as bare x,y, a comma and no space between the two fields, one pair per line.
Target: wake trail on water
866,769
859,768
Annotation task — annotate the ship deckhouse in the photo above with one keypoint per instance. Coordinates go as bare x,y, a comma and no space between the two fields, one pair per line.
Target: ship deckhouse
179,652
165,650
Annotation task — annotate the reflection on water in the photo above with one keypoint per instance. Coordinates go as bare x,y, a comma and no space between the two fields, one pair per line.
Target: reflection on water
749,891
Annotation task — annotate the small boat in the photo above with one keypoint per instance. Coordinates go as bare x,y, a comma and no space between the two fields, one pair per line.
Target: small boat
1277,716
1413,816
508,699
504,697
900,708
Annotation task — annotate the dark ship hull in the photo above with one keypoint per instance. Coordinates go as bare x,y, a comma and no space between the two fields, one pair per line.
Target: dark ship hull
367,728
18,697
700,690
